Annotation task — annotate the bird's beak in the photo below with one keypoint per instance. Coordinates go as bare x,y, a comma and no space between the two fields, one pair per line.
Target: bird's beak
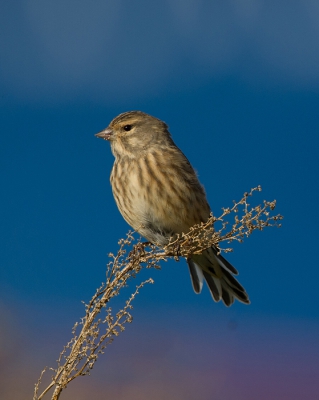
106,134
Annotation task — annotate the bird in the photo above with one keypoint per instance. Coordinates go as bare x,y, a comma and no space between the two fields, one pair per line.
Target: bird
158,193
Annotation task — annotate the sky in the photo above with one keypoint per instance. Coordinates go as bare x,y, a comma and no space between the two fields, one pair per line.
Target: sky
238,85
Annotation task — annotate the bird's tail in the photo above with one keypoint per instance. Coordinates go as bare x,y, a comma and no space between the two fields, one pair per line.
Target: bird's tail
218,273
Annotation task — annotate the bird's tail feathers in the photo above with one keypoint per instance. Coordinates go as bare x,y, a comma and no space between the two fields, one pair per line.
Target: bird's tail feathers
197,276
218,273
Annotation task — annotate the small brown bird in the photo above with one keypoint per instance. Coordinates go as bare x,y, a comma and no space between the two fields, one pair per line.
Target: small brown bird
158,193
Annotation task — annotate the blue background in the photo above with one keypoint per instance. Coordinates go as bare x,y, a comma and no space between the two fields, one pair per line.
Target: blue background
238,85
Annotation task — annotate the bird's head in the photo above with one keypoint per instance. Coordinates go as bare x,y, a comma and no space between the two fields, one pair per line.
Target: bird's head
135,132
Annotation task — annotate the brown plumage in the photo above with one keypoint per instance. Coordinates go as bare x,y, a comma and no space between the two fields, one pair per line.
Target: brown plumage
158,193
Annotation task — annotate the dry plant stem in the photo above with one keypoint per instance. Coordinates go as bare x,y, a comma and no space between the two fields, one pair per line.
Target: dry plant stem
64,372
80,354
246,220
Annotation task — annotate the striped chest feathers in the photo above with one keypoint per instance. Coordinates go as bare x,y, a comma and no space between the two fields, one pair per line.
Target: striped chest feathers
139,191
164,194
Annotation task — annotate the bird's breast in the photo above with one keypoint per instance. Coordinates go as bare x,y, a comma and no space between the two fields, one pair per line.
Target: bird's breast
157,199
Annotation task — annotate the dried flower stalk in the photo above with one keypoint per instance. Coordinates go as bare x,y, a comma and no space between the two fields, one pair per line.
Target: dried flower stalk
97,330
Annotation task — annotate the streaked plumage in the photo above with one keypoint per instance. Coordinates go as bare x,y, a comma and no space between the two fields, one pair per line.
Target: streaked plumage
159,195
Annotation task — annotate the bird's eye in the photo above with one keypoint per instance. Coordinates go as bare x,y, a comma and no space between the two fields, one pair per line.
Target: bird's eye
127,127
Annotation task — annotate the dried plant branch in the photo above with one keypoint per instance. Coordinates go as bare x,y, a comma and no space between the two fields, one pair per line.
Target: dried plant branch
100,325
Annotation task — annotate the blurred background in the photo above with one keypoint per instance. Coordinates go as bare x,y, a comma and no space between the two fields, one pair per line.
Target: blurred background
238,85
